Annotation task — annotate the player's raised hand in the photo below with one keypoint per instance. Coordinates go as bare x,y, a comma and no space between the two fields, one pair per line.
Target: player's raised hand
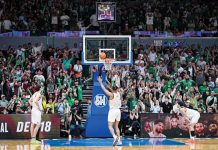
99,79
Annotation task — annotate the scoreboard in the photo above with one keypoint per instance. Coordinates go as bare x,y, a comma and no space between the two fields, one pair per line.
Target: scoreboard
106,11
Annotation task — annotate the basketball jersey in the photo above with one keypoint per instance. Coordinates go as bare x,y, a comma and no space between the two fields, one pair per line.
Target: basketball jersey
191,113
34,105
115,103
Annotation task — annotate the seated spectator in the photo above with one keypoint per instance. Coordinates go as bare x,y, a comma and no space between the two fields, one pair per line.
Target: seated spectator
166,107
211,101
211,83
155,107
3,101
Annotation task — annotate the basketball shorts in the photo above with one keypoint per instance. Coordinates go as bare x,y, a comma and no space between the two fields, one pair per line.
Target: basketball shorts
36,117
114,114
195,119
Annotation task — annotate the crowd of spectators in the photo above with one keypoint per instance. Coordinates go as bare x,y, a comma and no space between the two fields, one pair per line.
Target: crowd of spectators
41,16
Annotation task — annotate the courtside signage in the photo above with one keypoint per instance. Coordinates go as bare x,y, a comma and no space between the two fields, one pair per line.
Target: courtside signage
17,126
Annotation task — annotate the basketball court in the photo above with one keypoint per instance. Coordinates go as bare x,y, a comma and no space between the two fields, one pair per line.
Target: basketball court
105,144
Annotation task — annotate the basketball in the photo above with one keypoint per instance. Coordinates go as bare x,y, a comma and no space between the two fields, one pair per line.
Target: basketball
102,55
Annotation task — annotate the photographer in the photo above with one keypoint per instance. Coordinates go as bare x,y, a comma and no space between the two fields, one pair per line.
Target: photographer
124,116
65,131
76,126
26,108
18,109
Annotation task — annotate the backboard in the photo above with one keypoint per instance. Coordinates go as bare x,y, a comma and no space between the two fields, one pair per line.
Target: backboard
115,47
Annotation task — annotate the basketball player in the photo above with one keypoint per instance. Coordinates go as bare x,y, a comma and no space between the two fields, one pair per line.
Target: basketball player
191,115
36,114
114,113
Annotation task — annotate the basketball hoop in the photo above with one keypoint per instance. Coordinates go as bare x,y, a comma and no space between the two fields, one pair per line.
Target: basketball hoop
108,64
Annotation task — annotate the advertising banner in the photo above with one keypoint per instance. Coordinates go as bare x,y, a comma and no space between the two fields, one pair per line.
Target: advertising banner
174,126
16,34
168,34
71,33
17,126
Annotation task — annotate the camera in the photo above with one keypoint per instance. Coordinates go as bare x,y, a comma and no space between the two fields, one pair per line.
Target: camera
49,110
74,111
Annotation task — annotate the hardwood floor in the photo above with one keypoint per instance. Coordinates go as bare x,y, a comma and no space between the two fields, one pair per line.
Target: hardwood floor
201,144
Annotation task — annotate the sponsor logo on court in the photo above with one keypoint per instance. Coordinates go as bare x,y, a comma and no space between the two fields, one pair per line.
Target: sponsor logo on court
100,100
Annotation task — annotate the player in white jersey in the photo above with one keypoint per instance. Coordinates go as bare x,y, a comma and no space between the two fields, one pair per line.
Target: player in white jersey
191,115
114,113
36,114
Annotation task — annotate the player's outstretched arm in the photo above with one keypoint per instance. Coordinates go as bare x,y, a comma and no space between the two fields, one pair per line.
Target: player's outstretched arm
103,88
108,85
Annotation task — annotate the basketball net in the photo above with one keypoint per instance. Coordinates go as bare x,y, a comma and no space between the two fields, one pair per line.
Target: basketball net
108,64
